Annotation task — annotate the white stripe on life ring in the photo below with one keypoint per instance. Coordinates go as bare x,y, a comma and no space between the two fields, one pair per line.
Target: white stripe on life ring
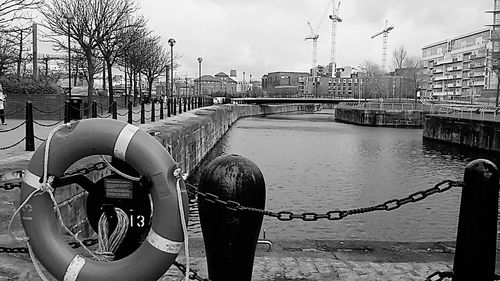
123,141
74,268
163,244
32,180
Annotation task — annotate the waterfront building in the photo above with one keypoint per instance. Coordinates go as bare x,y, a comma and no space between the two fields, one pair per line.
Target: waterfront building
284,84
219,84
346,83
459,67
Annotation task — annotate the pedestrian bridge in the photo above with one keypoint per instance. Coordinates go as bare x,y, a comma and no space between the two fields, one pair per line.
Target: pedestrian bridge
296,100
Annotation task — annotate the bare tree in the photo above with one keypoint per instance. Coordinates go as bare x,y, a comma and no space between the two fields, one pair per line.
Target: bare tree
88,25
398,57
112,36
12,10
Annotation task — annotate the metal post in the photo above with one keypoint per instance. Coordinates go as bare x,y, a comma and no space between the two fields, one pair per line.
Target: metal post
115,110
30,134
153,111
231,237
477,223
188,103
184,100
143,113
94,109
67,108
130,120
169,105
161,109
174,105
180,105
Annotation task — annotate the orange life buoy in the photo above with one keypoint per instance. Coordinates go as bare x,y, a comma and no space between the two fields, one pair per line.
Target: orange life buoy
141,151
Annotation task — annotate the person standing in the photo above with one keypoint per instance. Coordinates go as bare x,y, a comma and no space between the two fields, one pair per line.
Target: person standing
2,106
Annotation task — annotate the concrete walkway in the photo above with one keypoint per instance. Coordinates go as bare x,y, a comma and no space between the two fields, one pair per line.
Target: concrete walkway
300,261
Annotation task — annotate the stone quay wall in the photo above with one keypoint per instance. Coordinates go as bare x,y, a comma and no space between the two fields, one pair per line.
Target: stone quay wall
188,137
380,117
471,133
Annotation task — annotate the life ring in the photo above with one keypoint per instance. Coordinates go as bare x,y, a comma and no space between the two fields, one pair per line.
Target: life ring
145,154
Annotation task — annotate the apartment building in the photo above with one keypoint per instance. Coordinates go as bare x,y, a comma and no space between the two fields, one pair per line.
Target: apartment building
458,68
284,84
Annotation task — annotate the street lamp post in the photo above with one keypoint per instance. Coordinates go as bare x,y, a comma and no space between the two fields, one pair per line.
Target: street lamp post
171,42
200,59
69,19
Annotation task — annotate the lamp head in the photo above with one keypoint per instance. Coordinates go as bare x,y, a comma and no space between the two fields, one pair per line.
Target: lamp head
171,42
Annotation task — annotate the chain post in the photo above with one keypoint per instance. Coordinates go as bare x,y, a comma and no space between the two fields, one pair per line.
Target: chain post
30,134
67,111
129,117
161,108
94,109
174,106
230,255
114,108
143,113
169,105
477,223
180,105
153,111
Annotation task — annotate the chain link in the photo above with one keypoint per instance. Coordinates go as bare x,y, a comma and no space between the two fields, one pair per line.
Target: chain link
86,170
330,215
193,276
73,244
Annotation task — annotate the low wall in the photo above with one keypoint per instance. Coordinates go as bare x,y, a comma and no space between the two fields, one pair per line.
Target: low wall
188,137
46,107
477,134
380,117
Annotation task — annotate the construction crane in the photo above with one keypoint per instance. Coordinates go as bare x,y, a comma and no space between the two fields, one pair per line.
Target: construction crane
314,37
385,33
335,19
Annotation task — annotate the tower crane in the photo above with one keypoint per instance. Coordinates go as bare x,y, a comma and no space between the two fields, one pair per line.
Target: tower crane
385,34
314,37
335,19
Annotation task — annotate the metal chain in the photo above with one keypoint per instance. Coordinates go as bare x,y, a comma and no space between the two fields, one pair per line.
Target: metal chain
193,276
47,125
330,215
86,170
13,128
13,145
24,250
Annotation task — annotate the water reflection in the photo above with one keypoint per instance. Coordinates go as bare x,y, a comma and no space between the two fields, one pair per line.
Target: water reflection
311,163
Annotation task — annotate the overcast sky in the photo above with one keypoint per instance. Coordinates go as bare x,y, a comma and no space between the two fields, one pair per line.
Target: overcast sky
261,36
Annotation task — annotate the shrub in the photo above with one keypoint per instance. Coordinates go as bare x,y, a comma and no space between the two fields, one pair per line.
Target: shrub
28,86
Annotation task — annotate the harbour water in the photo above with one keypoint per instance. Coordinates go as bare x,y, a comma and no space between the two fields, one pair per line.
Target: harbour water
313,164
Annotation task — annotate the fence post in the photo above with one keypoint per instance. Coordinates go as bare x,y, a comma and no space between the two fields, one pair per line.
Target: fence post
153,111
30,134
477,223
174,105
168,107
143,113
161,108
180,105
94,109
230,236
67,117
129,105
115,110
188,101
184,101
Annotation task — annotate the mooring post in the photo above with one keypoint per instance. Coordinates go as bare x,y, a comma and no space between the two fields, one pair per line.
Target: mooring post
94,109
477,223
129,112
231,236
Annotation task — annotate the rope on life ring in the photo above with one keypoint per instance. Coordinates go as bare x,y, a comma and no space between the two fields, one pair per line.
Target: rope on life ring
72,142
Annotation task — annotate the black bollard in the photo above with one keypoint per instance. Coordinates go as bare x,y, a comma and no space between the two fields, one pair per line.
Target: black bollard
477,223
231,236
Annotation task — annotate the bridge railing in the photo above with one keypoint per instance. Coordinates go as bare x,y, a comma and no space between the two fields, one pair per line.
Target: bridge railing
481,112
381,106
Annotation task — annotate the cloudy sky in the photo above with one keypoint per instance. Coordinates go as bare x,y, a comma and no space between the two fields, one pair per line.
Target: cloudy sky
261,36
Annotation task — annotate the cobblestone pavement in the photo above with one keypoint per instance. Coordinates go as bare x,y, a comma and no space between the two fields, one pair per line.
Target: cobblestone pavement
327,269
